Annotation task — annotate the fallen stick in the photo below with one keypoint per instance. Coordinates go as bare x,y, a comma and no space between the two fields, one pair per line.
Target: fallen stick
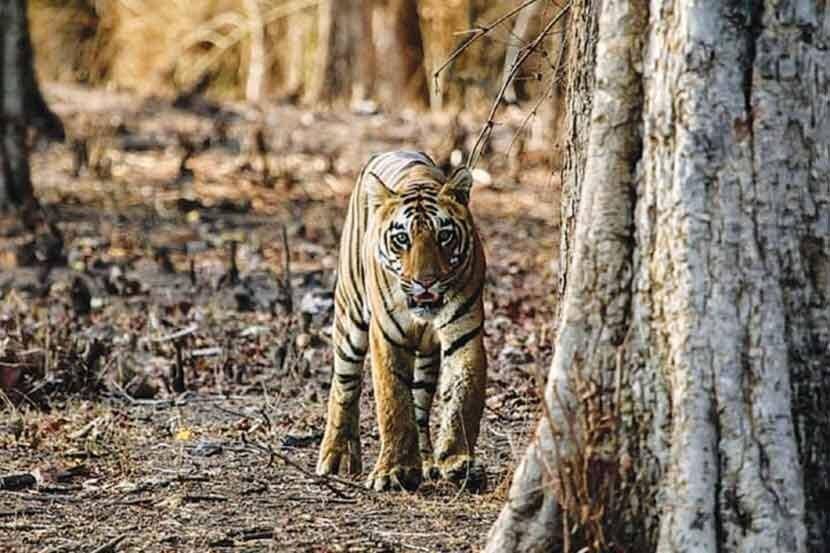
326,480
17,481
186,331
21,513
110,546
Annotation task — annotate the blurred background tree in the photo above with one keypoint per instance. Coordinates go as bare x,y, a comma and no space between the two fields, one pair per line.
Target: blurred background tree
311,51
21,106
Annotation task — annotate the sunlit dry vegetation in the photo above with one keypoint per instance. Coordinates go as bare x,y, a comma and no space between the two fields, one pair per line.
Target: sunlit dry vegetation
291,49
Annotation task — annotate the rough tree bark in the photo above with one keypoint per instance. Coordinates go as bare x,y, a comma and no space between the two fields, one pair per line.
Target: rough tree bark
695,323
21,106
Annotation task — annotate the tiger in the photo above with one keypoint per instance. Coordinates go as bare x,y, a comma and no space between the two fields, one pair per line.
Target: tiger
409,288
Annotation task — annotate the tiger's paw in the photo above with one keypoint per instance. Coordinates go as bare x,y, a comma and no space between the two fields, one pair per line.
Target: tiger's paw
337,456
465,472
395,478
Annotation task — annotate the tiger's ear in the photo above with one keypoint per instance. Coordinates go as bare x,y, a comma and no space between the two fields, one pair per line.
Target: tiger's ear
377,190
458,185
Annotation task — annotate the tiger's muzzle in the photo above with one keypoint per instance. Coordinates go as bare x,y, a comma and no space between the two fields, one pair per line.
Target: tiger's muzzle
424,298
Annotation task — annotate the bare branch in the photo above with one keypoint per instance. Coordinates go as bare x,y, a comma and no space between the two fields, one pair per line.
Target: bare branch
476,33
526,52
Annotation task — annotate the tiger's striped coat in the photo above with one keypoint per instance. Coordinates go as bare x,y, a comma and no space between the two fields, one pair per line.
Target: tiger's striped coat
409,291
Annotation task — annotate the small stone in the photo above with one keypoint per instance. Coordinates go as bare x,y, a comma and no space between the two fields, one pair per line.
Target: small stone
303,340
317,302
482,177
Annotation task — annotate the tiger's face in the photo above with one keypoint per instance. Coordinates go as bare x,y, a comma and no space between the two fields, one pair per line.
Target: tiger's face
426,240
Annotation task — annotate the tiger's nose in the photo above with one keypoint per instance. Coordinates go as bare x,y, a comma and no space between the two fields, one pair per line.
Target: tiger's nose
425,282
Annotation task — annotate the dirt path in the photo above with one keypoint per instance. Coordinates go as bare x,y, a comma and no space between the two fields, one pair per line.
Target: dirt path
152,202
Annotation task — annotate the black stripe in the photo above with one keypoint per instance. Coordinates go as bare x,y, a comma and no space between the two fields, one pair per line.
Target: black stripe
346,378
396,323
361,213
430,368
393,342
351,249
339,301
462,341
359,324
358,352
424,385
426,155
386,307
465,307
405,378
345,357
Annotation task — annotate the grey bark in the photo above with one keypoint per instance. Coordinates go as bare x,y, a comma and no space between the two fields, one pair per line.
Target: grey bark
697,294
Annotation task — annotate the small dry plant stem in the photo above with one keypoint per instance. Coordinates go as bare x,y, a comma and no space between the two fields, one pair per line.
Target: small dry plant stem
586,476
557,77
287,271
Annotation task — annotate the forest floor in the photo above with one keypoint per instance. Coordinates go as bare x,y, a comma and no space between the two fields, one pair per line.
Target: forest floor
164,351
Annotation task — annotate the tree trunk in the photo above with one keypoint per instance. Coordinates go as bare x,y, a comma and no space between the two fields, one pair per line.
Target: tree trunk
401,76
21,106
345,54
440,22
686,404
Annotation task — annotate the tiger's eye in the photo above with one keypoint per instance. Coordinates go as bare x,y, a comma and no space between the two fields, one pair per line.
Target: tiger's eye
445,236
400,239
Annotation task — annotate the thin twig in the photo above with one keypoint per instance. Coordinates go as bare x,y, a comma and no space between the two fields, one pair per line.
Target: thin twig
110,545
186,331
476,33
532,113
520,60
326,480
289,299
178,381
547,95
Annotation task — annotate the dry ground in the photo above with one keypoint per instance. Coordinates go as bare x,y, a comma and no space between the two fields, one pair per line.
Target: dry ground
151,203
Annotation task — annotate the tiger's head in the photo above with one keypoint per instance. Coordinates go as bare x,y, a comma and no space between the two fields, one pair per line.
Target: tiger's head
425,235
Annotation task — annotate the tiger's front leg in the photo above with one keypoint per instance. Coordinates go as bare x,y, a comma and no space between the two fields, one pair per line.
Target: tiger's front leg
463,383
399,460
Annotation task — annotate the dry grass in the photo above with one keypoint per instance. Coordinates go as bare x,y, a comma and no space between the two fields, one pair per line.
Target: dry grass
594,477
161,46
